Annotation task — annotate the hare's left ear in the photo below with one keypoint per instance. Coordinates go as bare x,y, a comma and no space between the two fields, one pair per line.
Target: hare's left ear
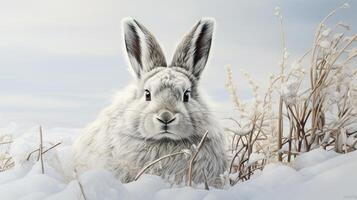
143,50
192,53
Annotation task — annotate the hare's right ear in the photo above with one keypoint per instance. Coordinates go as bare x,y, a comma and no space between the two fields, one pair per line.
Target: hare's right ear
143,50
192,53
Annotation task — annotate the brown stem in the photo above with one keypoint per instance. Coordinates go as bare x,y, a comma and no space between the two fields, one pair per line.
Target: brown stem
194,157
40,152
155,161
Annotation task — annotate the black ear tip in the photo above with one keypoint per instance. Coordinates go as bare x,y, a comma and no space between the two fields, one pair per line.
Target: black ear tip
208,21
127,21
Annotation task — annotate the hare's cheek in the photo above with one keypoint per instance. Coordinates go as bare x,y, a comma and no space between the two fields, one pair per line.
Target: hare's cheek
182,126
148,124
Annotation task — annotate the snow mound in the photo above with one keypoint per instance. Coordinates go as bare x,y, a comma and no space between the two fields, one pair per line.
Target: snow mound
318,174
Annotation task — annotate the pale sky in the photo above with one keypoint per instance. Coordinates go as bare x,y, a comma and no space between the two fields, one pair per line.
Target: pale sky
62,60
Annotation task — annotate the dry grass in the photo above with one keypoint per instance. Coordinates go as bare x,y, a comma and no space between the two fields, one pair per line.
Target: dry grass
193,157
81,188
315,104
320,112
40,152
147,166
45,151
6,161
252,141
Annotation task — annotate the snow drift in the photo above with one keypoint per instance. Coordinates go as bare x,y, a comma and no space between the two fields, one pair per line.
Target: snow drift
318,174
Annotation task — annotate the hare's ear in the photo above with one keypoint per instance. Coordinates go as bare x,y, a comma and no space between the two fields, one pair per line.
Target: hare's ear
192,53
143,50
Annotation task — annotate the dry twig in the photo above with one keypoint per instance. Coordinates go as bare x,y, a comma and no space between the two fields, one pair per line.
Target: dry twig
154,162
190,167
40,152
34,151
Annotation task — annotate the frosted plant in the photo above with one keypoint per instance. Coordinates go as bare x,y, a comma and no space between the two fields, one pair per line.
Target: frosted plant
319,108
252,139
317,103
6,161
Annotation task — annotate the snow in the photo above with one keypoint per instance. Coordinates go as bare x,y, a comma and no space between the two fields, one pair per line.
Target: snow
313,158
277,11
255,157
318,174
325,44
326,32
345,5
289,90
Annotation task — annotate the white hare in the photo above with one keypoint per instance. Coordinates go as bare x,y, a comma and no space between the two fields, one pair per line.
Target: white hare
160,113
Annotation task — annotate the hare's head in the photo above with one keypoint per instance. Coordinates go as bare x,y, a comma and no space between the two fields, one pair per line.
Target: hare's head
167,99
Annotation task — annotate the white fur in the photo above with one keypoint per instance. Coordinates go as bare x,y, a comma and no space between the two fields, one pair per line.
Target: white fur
127,135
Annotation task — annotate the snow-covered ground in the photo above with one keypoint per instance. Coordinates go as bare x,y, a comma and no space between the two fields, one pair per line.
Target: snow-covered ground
315,175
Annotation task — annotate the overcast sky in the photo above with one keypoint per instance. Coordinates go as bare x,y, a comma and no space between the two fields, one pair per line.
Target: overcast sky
62,60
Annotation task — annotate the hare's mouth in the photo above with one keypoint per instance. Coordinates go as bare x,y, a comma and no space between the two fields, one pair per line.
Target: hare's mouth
166,135
166,132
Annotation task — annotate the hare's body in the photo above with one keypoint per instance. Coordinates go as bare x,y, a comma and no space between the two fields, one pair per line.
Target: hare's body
161,113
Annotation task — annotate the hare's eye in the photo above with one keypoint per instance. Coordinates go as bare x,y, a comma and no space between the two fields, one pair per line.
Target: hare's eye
186,96
147,95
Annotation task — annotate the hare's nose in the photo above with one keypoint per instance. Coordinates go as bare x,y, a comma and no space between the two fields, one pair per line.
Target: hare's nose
166,117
